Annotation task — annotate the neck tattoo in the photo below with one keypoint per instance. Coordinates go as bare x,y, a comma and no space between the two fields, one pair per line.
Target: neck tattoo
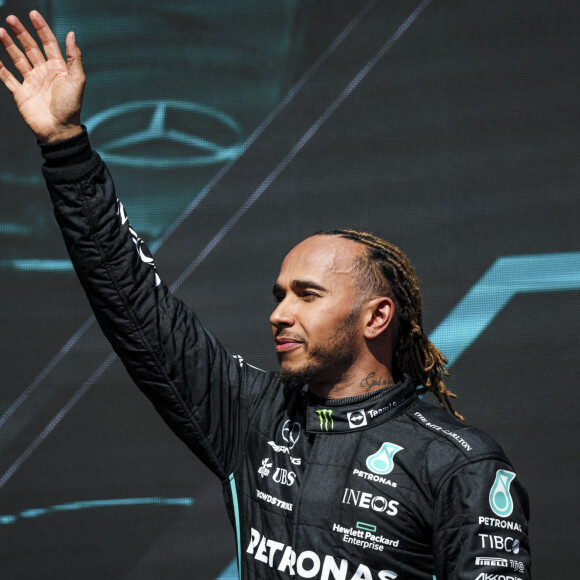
371,381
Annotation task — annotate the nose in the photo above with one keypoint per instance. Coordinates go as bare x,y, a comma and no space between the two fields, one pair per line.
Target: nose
282,317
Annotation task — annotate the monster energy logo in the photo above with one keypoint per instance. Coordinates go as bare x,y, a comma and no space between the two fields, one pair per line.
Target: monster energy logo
325,416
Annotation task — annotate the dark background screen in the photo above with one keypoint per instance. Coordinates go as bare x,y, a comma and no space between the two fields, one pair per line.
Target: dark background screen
235,129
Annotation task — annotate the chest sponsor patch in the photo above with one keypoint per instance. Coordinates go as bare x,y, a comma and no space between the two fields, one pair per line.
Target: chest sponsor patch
382,462
368,501
373,477
365,536
504,524
309,564
500,543
290,433
266,497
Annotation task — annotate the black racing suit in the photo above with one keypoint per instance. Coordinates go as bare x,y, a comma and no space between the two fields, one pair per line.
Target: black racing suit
372,487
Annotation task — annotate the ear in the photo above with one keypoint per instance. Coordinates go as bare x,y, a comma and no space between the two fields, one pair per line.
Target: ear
379,314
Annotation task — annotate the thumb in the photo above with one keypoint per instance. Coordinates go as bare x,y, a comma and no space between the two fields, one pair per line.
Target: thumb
74,58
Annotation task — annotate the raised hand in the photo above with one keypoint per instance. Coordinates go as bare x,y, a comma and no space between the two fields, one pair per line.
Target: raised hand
50,95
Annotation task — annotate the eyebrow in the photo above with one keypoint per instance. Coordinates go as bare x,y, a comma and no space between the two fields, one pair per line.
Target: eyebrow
299,284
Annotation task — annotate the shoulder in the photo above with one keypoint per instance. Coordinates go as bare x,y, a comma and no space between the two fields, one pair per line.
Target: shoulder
447,445
444,429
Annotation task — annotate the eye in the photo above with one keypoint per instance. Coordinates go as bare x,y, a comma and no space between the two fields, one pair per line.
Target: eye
278,298
308,295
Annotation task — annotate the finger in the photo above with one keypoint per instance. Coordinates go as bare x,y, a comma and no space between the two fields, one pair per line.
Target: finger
47,37
74,58
8,79
20,61
33,53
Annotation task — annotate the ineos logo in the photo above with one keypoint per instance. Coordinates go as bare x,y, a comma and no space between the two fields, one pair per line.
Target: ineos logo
366,500
164,134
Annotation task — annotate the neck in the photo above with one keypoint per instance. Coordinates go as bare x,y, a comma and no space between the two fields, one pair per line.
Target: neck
357,380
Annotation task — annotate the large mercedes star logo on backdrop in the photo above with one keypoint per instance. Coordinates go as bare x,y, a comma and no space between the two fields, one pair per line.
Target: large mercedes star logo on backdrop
164,134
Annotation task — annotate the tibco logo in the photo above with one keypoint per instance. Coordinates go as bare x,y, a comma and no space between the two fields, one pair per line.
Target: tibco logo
500,543
366,500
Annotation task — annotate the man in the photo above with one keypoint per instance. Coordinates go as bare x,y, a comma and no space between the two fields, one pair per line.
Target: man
351,477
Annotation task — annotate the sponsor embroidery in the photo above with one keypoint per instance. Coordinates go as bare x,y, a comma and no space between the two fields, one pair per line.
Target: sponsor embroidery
508,543
447,432
265,469
365,500
290,434
309,564
491,561
356,419
505,524
381,462
283,449
500,499
284,477
139,243
325,416
376,412
373,477
273,500
365,536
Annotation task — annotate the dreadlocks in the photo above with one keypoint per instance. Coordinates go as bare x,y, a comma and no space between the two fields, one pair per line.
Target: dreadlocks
385,270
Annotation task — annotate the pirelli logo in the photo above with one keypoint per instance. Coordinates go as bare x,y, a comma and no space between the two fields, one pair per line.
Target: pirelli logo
489,561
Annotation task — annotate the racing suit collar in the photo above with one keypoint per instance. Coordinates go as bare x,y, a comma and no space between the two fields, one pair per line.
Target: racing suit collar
360,412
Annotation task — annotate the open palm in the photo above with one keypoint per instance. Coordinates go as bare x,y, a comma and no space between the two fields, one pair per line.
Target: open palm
50,96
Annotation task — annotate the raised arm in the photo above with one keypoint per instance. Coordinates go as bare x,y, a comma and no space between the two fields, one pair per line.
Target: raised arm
50,95
203,392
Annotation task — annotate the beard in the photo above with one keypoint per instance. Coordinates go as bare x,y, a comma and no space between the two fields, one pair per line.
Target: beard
327,362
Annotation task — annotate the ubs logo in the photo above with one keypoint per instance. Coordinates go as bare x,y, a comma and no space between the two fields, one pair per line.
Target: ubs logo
284,477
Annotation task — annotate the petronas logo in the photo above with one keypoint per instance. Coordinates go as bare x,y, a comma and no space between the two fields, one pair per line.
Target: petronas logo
326,420
500,499
381,462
